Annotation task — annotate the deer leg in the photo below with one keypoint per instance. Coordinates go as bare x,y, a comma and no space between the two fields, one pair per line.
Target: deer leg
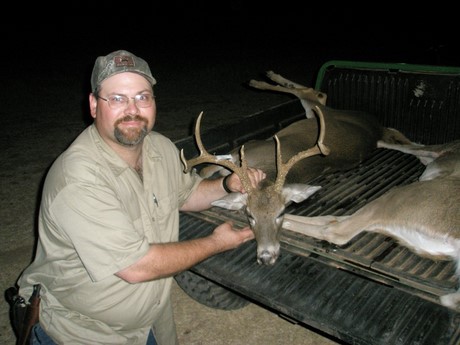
337,230
425,154
291,219
452,300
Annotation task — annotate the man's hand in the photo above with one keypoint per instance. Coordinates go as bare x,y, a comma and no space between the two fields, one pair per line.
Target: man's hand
229,237
234,182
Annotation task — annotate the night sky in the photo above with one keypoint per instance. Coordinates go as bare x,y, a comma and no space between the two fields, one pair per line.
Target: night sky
373,32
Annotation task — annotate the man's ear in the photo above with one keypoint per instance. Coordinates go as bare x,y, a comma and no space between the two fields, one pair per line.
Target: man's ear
92,105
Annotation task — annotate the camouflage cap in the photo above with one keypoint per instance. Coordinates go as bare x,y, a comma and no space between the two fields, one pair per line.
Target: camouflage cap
118,62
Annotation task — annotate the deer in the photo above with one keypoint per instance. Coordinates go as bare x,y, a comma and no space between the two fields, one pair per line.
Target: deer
352,136
424,215
264,205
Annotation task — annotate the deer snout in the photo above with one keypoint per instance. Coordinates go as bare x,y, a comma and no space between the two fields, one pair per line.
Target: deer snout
268,255
266,224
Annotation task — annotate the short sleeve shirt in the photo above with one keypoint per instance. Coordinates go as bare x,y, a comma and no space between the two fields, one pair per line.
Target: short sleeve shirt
96,218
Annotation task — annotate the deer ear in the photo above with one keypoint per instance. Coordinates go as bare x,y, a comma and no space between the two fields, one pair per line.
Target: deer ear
232,201
298,192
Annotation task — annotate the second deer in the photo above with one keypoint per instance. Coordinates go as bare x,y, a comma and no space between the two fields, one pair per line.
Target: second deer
424,215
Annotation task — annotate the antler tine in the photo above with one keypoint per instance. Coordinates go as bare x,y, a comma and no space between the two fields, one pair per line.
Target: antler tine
322,131
319,148
199,142
262,85
206,157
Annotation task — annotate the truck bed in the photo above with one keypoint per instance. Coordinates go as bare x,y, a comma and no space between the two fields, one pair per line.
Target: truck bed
371,290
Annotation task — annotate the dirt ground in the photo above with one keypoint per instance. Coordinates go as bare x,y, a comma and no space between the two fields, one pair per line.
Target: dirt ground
44,107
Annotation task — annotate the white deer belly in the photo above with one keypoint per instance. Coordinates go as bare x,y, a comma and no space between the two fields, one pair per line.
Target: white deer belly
422,243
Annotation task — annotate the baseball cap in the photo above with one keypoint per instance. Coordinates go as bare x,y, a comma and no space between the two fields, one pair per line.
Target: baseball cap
117,62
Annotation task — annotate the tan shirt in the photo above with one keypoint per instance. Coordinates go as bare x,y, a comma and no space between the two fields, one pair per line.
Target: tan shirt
96,218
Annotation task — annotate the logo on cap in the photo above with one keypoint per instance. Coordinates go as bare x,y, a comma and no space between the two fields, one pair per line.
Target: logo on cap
123,61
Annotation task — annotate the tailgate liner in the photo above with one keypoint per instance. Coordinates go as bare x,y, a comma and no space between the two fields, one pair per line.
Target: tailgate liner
347,306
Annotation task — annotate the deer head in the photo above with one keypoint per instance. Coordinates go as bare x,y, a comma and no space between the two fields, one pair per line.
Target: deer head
264,204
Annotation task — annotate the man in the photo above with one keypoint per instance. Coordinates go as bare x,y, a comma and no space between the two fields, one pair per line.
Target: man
109,220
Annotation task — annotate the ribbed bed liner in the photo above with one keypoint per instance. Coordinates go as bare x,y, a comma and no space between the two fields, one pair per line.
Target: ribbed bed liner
391,297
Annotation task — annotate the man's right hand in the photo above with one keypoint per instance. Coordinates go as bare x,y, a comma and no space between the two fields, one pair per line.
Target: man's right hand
229,237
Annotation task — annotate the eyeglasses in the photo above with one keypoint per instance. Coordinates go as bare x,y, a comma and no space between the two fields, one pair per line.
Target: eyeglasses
143,100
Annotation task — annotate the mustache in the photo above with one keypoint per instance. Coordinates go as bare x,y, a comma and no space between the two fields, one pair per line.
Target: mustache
129,118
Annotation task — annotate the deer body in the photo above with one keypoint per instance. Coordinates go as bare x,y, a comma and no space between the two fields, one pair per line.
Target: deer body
424,215
351,137
361,130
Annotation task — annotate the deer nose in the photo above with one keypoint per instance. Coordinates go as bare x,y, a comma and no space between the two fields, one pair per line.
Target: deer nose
266,257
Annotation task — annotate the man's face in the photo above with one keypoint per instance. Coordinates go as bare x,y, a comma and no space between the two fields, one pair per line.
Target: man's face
128,124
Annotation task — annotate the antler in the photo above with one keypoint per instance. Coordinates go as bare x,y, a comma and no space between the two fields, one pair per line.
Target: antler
206,157
319,148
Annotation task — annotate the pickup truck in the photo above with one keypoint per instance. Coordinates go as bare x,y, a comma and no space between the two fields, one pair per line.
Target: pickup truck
371,290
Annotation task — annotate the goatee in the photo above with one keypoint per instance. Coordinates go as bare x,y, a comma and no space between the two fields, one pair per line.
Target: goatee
130,136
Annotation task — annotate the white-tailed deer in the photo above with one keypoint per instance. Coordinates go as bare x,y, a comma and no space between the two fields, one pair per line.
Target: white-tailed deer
351,137
424,215
265,204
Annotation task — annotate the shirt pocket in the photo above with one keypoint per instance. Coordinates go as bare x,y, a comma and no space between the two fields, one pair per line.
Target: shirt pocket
164,209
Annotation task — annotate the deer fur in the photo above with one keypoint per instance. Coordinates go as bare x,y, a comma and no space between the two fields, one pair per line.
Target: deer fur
424,215
351,137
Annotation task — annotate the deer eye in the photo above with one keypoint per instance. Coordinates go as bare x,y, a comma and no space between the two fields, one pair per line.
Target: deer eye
280,218
251,220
